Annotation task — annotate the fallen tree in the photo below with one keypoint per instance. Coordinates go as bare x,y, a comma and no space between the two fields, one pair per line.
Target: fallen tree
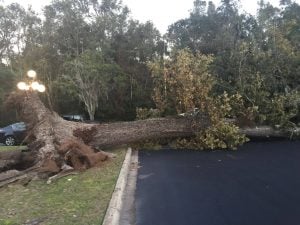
58,145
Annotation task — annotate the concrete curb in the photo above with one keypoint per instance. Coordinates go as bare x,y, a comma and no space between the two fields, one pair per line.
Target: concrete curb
128,212
112,215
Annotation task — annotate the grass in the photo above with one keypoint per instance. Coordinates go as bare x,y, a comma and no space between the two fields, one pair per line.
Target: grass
77,199
11,148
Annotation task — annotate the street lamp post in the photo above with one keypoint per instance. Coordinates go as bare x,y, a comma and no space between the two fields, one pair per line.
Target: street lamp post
32,84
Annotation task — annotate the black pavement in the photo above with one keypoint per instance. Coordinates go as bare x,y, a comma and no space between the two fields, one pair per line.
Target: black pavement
257,185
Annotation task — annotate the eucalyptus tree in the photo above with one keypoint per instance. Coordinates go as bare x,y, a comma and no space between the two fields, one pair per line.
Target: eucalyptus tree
88,75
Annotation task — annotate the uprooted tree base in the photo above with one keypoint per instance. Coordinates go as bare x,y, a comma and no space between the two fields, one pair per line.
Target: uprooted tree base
55,145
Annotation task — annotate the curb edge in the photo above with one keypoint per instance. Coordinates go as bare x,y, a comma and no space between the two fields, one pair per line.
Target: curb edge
112,215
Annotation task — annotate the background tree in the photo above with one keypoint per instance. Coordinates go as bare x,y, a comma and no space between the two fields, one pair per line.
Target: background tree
7,81
88,75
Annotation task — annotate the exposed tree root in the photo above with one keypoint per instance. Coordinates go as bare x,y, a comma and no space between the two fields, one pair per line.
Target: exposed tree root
81,156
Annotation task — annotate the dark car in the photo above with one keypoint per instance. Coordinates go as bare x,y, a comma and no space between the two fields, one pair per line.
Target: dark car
13,134
76,118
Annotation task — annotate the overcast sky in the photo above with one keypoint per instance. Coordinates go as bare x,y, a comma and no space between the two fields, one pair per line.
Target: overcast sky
161,12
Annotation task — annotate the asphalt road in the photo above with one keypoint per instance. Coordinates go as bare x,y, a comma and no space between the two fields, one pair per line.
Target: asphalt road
257,185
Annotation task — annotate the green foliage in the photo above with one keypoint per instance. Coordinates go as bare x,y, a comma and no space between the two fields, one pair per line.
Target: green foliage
282,109
219,136
70,103
182,82
7,83
245,115
185,83
257,105
88,74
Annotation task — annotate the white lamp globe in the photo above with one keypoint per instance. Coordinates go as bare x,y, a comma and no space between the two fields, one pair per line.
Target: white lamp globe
35,85
22,86
31,74
41,88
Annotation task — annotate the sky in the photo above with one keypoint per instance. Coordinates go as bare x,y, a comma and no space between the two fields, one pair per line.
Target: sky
161,12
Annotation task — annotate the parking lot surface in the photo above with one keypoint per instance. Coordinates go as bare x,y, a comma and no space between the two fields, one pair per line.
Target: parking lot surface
257,185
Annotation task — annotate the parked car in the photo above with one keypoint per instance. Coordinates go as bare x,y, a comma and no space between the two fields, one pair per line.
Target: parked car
76,118
13,134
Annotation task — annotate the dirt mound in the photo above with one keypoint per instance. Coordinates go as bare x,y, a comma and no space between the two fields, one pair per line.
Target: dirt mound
80,156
